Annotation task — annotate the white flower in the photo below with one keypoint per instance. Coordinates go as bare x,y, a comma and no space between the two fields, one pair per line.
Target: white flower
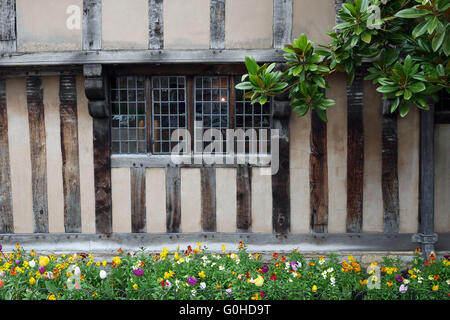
202,285
290,280
333,281
168,284
77,271
405,281
221,268
324,274
204,258
213,264
177,282
330,270
32,263
321,261
193,292
448,282
102,274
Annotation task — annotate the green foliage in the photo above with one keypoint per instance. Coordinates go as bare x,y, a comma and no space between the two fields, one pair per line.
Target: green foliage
406,41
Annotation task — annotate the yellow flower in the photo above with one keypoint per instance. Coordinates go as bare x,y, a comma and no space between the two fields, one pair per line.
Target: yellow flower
51,297
223,248
410,272
259,281
363,282
389,284
117,260
255,296
201,274
350,258
435,287
97,264
314,288
43,261
32,253
256,255
104,263
135,286
63,255
32,281
176,256
199,244
413,276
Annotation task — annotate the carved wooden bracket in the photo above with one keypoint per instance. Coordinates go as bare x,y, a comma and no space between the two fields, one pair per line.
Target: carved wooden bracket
95,89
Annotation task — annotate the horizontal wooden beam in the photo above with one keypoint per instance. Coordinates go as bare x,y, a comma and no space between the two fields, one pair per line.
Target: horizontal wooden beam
256,242
162,161
139,56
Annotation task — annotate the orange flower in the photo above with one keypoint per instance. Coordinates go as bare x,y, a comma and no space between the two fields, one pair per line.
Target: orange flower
389,284
13,271
418,250
436,277
363,282
2,283
120,250
275,255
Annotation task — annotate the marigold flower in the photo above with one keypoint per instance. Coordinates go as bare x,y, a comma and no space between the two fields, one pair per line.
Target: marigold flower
117,261
436,277
363,282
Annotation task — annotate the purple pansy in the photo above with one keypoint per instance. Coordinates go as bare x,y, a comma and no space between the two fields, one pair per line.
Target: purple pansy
41,270
265,268
192,281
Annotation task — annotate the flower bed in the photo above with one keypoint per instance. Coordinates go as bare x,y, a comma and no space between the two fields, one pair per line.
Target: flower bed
196,273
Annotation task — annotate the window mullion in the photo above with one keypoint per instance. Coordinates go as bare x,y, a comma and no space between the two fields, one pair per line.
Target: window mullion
148,111
190,108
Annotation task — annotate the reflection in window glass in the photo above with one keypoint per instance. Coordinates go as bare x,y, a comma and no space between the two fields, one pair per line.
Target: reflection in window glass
128,127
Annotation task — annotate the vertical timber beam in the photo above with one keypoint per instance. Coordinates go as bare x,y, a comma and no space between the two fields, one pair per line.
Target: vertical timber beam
70,153
243,198
208,185
355,152
389,169
156,24
92,25
36,121
138,209
96,92
173,199
426,235
217,25
318,175
7,26
281,203
6,215
282,23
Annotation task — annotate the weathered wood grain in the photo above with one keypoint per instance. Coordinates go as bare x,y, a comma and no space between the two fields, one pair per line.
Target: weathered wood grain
92,24
281,200
36,123
282,22
138,196
98,106
427,165
318,175
243,197
217,24
6,214
156,24
7,26
389,170
355,152
208,191
70,153
173,199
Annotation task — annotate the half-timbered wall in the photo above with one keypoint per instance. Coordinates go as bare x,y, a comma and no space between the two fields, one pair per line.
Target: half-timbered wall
358,173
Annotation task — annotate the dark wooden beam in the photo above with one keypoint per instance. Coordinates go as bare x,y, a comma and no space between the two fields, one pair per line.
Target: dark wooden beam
70,153
389,169
8,26
138,208
208,191
96,83
156,24
173,199
426,186
36,122
318,175
281,196
355,152
244,198
92,24
6,216
217,24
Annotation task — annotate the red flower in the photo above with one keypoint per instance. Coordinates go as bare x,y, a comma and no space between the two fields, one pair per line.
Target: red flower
120,250
163,283
142,263
447,257
275,255
273,277
262,294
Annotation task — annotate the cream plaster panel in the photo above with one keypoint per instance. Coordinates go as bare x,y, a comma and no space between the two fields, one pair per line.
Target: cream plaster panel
86,152
300,148
45,25
248,24
314,18
408,171
373,197
191,200
125,24
54,157
337,154
261,201
186,24
121,200
155,182
226,200
442,178
19,155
